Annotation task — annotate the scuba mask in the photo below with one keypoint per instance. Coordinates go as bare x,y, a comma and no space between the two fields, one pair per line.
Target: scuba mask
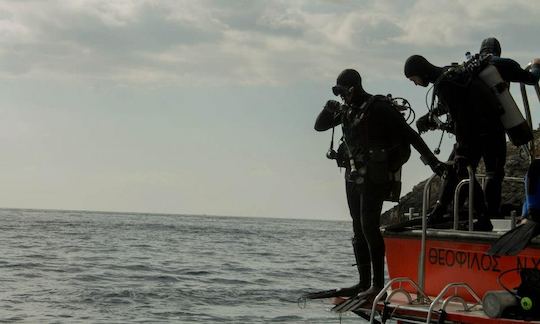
342,91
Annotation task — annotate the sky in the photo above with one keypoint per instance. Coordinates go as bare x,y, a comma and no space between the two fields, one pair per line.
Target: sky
207,107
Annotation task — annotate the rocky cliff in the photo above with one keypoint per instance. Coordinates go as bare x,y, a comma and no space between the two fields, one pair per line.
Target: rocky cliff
512,195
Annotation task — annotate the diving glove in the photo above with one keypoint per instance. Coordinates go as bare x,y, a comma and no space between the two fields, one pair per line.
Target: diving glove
425,123
332,106
440,168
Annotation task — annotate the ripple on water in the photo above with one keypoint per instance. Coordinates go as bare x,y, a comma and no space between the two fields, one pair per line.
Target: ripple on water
114,268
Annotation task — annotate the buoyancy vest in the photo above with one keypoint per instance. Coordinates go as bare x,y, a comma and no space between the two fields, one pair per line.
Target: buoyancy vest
480,66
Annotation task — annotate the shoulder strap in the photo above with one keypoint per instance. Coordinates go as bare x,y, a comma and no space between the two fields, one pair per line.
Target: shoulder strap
368,103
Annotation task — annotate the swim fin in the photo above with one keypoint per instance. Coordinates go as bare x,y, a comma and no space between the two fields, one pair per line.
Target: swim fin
321,294
362,299
339,292
515,240
345,306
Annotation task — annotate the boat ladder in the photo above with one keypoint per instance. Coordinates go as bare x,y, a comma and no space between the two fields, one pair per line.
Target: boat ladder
389,306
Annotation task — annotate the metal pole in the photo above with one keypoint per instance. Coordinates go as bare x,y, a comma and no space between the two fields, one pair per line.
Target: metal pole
528,110
537,88
527,114
456,201
422,259
471,196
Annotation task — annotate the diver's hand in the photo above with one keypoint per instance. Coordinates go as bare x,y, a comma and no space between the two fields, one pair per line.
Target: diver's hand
440,168
461,163
332,106
424,123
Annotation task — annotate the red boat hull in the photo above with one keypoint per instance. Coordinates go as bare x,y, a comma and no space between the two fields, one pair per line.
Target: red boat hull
455,258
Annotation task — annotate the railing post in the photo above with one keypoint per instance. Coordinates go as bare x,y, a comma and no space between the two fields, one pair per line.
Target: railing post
422,259
456,202
528,110
471,196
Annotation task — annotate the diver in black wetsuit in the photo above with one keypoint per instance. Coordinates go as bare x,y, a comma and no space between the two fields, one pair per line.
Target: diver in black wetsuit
509,69
373,132
478,129
495,158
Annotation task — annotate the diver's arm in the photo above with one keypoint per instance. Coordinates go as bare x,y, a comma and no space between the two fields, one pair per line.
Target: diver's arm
328,117
411,136
419,145
511,71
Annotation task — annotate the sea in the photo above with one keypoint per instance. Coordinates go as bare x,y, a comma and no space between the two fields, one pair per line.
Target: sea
101,267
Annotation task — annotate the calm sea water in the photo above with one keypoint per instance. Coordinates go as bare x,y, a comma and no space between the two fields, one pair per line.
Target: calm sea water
95,267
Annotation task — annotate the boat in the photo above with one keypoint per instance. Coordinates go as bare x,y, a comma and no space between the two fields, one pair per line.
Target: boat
445,275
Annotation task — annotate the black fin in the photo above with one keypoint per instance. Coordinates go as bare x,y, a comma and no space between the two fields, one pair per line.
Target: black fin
340,292
515,240
321,294
345,306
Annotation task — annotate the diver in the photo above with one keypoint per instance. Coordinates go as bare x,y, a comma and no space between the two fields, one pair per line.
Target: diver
510,71
478,129
376,138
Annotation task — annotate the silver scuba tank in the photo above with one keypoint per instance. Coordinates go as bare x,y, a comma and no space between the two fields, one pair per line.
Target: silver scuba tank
495,302
516,126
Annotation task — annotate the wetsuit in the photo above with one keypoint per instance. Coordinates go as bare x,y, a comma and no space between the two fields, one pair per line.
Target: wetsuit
479,134
511,71
490,139
372,134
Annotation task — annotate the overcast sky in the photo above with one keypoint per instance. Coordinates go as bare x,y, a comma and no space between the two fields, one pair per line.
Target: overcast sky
207,107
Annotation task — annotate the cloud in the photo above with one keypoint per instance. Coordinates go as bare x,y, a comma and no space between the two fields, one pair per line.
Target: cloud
244,42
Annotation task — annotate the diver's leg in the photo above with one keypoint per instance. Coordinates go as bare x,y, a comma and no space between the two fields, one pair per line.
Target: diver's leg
371,205
359,243
494,159
483,223
446,194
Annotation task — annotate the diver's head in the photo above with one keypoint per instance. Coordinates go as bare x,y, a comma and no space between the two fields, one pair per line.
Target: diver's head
349,86
420,71
490,46
419,81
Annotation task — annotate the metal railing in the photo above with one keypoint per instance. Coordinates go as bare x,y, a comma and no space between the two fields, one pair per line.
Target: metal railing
425,204
455,296
421,296
471,197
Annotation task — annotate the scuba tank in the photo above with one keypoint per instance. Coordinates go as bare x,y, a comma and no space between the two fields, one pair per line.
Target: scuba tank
516,126
522,302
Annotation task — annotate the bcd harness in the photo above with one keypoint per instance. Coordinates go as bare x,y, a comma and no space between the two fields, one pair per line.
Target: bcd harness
380,165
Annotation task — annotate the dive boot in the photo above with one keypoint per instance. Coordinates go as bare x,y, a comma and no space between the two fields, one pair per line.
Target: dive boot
364,272
483,225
